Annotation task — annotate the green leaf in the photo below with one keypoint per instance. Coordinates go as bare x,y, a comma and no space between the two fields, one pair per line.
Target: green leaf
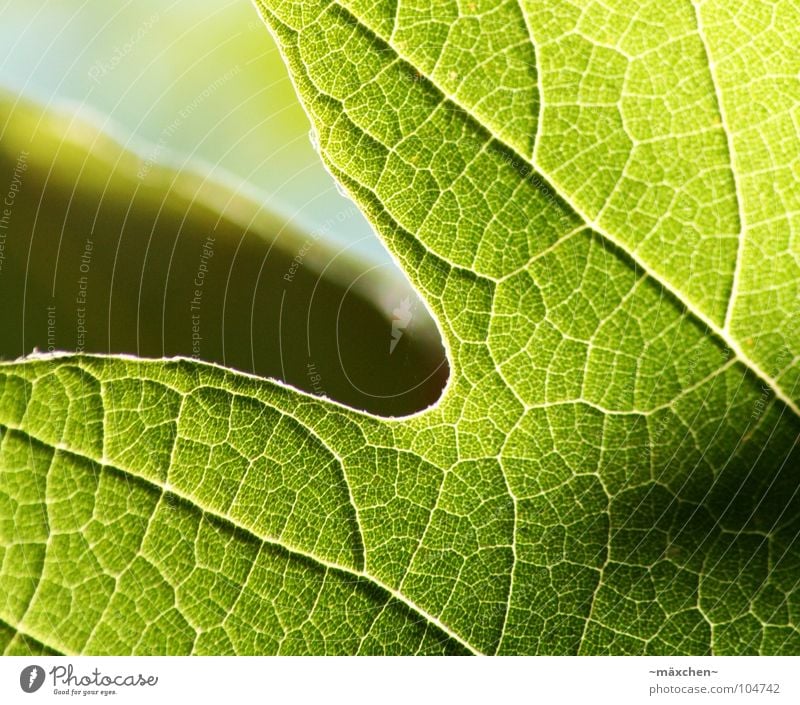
599,207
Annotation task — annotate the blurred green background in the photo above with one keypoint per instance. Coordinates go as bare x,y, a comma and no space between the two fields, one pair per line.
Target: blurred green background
147,127
207,68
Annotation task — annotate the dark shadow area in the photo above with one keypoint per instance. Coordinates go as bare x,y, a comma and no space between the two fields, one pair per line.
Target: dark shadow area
104,252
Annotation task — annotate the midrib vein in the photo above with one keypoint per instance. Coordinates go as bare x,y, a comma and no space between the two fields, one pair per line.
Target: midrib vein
227,519
725,126
721,332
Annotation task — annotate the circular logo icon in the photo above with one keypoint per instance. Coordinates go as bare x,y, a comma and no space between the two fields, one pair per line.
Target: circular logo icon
31,678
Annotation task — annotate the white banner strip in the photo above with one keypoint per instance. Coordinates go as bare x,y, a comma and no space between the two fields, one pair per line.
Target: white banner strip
400,681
